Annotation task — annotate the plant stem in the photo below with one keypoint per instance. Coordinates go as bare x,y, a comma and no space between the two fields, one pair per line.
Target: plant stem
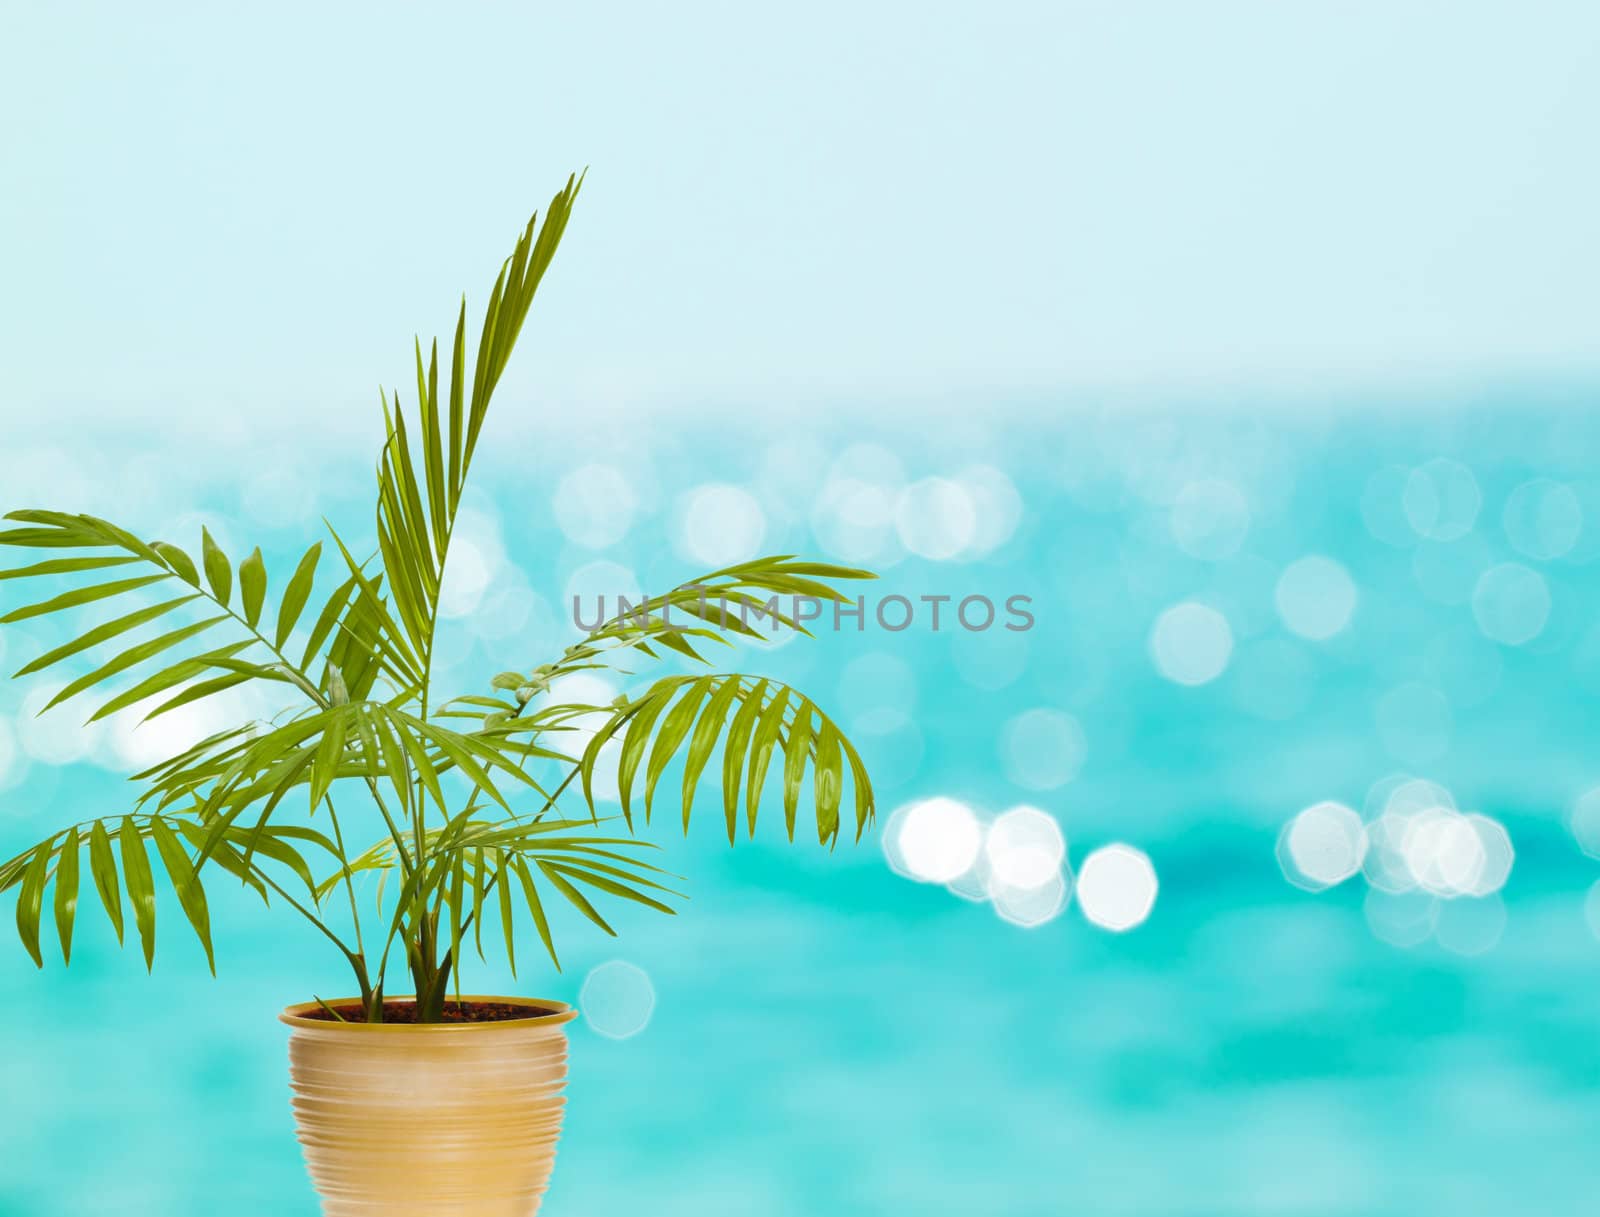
494,878
406,864
349,883
356,959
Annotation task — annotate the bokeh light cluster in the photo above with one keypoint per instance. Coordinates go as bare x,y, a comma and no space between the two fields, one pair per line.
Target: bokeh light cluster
1017,863
1417,853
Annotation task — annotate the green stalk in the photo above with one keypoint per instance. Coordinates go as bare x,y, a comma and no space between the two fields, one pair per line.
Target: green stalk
356,959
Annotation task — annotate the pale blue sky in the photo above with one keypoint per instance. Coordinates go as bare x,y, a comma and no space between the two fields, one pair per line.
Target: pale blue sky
213,210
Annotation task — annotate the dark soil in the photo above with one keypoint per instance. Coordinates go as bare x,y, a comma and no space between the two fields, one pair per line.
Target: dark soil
454,1012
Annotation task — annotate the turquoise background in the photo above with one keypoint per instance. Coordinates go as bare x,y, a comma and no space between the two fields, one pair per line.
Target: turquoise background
1111,254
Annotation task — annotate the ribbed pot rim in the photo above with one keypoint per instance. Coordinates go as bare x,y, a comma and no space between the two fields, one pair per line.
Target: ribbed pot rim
546,1013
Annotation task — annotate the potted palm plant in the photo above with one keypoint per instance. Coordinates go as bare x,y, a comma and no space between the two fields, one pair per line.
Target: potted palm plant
410,1096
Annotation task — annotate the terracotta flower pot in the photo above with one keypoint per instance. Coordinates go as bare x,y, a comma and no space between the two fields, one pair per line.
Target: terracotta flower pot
436,1120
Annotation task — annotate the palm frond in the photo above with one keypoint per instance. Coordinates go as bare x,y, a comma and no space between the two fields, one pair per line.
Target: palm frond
194,673
420,483
737,603
120,867
684,718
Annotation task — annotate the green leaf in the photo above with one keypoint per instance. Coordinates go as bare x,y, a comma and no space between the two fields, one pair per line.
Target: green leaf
766,735
482,703
297,593
103,866
610,886
326,620
165,679
219,572
704,740
67,892
108,533
131,658
862,784
199,692
420,485
530,895
794,768
230,859
479,862
273,842
674,727
393,752
458,375
185,883
633,744
826,570
253,586
211,751
587,852
141,888
180,563
828,780
46,538
330,750
403,536
733,754
674,640
64,566
103,633
419,759
458,881
468,754
591,754
368,607
30,901
83,595
507,921
281,776
439,505
371,760
574,897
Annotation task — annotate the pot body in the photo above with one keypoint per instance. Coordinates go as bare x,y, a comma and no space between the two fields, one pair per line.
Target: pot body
437,1120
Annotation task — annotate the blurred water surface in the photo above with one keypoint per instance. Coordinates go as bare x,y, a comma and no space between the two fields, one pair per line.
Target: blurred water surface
1379,615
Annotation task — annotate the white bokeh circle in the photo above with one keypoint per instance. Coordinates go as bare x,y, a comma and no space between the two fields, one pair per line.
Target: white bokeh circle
722,524
617,999
1511,603
1191,643
1117,887
1024,849
936,518
1543,519
1315,597
594,505
1042,749
1324,845
1209,519
938,840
